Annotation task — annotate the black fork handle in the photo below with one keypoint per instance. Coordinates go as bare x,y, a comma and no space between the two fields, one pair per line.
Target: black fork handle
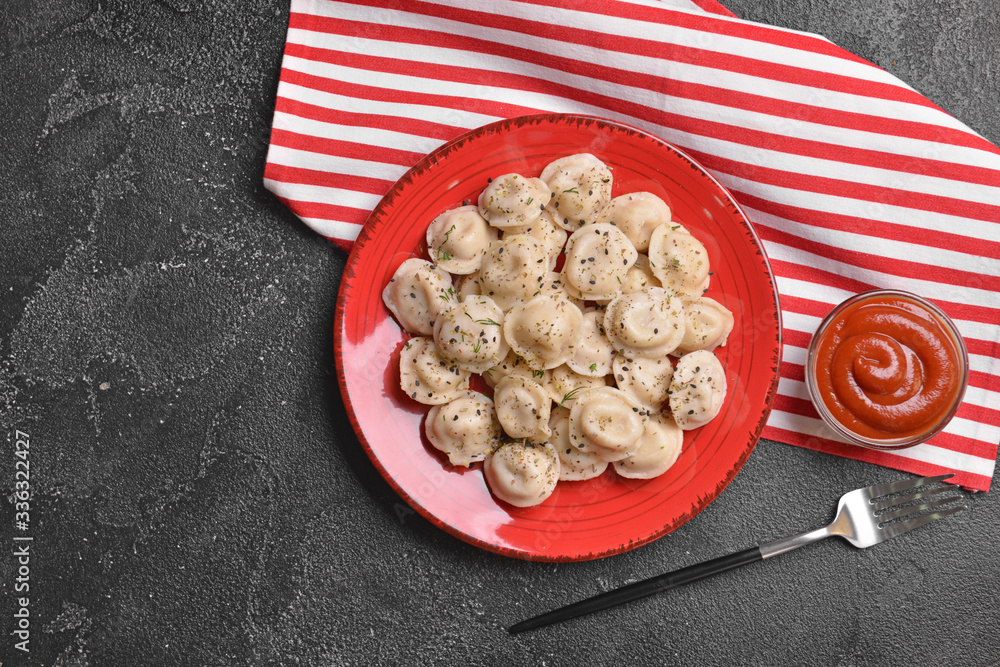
640,589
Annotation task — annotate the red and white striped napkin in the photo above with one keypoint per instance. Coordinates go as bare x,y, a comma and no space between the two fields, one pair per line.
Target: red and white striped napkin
852,179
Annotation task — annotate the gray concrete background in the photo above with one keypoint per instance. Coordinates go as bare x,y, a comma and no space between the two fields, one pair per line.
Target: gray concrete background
199,496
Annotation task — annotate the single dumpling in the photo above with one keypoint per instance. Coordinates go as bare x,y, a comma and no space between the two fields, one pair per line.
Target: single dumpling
639,276
581,188
646,380
514,365
608,422
598,258
543,330
546,231
564,384
512,269
470,333
426,376
466,285
416,293
522,474
592,353
659,447
512,200
457,239
554,285
637,214
574,464
648,323
698,389
523,408
679,260
677,226
465,428
707,325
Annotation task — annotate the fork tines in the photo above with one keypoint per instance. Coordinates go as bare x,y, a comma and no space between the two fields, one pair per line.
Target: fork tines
900,527
895,502
898,506
905,485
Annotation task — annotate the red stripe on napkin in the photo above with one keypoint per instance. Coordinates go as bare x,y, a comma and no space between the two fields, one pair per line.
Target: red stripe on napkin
853,180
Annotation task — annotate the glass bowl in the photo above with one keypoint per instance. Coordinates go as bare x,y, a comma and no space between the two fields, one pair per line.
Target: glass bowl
955,395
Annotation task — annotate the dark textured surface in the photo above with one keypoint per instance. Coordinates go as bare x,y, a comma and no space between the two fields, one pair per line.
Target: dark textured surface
199,496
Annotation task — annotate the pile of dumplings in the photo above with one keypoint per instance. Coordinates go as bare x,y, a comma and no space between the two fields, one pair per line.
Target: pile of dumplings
578,359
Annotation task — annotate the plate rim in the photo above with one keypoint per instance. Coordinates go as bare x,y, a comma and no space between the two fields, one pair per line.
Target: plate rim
346,282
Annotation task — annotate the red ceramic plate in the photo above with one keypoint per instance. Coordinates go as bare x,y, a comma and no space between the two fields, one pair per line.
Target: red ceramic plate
581,520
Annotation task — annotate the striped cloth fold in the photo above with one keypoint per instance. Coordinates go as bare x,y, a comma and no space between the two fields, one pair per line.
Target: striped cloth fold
852,179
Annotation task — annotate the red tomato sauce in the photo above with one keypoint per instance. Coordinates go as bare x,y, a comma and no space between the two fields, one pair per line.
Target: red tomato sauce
888,369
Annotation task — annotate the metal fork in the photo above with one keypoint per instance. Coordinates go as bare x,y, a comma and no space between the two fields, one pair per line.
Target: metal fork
865,517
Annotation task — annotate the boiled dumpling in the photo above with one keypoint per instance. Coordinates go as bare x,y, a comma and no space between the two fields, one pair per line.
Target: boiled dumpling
551,236
707,325
512,269
554,285
523,408
416,294
637,214
639,276
522,474
465,428
514,365
574,463
581,188
469,332
698,389
512,200
543,330
564,384
467,285
608,422
659,447
598,258
592,353
679,260
648,323
426,376
646,380
457,239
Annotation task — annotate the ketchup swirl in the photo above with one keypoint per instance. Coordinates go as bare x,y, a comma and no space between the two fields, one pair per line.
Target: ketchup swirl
887,369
